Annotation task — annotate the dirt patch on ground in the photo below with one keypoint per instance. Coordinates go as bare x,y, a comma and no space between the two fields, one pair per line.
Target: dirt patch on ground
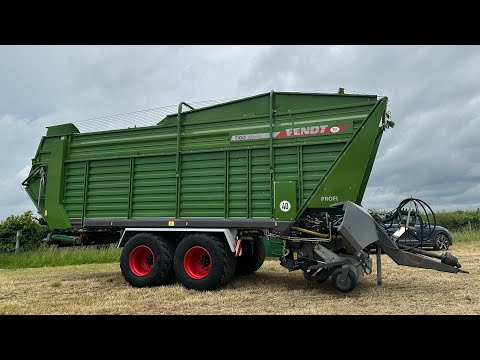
100,289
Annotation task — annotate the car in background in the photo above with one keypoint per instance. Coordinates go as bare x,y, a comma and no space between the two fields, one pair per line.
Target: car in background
439,239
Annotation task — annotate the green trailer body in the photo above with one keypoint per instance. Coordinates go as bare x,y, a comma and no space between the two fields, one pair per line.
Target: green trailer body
192,198
256,162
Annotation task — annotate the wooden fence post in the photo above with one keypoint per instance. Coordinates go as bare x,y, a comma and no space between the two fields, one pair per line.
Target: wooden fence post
17,242
469,225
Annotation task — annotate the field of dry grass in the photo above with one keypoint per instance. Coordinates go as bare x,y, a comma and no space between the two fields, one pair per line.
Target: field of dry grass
100,289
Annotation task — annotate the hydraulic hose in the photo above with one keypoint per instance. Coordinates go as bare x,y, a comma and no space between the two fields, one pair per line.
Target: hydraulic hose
396,214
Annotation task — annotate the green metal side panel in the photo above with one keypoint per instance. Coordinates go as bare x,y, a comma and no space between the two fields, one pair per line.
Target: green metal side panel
32,191
64,129
74,189
238,184
54,213
285,200
202,185
344,178
108,188
273,246
154,187
297,101
207,117
32,188
368,170
225,164
260,184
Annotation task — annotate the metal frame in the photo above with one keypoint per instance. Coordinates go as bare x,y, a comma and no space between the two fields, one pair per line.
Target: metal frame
230,234
231,223
179,156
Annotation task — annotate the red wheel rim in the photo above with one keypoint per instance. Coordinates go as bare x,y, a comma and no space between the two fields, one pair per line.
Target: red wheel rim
197,262
141,260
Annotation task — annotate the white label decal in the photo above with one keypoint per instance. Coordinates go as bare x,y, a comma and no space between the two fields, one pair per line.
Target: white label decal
250,137
329,198
285,206
334,129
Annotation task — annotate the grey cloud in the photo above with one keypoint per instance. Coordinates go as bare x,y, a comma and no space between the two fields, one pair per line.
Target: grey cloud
434,97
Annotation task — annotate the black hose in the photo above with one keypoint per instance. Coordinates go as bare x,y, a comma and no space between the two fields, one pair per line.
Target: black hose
396,214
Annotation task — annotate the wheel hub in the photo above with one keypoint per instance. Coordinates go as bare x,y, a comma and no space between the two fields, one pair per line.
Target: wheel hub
141,260
197,262
442,242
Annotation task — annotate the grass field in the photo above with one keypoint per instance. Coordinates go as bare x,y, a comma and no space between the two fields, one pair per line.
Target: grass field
59,257
100,289
466,236
52,256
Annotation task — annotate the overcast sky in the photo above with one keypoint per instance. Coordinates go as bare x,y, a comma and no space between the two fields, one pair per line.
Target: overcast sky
434,95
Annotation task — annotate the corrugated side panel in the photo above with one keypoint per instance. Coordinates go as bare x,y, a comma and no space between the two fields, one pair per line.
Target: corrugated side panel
202,190
128,142
260,183
237,183
45,151
154,185
74,188
317,159
108,188
249,183
207,131
207,187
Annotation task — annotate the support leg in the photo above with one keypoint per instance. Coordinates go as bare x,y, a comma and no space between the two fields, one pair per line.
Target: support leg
379,266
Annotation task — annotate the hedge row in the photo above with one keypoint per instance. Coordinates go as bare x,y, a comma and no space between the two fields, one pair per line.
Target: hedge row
459,219
31,232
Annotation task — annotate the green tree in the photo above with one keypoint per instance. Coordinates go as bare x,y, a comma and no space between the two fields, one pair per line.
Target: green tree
32,232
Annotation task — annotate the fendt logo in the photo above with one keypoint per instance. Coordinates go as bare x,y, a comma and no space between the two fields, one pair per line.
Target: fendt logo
312,130
300,131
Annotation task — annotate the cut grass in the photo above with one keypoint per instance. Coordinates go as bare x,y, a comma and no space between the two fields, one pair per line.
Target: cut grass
59,257
101,289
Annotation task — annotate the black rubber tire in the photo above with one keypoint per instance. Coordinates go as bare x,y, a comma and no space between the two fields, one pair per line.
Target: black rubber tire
436,243
251,259
232,266
320,278
351,282
162,271
222,263
172,246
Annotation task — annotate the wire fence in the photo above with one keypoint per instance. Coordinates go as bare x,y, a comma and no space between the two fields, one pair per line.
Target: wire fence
139,118
149,117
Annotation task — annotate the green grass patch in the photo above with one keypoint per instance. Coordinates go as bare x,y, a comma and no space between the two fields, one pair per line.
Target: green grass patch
59,257
466,236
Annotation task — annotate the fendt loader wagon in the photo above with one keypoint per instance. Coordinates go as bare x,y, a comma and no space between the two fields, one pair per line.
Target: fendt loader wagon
191,198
